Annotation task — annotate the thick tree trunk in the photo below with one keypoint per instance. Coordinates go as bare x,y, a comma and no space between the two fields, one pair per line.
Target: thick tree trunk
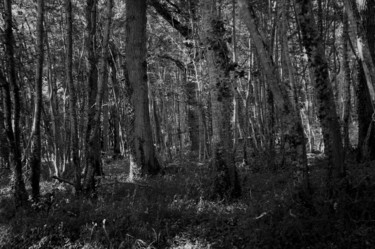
313,44
218,62
73,96
143,159
13,131
36,156
92,150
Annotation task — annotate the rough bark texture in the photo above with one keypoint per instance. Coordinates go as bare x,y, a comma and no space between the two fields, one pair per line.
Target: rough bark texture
13,132
143,159
313,44
192,107
73,96
35,159
92,150
218,63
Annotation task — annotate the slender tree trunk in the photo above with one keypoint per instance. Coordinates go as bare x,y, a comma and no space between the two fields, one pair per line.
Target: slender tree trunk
143,159
94,141
291,121
192,107
362,43
35,159
226,182
115,107
73,96
92,144
54,114
346,92
13,131
363,28
313,44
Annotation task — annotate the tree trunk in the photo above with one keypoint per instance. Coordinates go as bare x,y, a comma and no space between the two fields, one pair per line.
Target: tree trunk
293,138
192,107
92,150
218,63
143,159
73,96
313,44
13,131
54,114
347,80
365,46
115,107
35,159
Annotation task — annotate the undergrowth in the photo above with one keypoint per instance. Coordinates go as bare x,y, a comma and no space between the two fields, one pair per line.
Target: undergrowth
174,210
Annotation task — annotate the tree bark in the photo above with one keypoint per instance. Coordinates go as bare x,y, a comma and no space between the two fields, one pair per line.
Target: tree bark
313,44
13,131
92,150
347,80
36,155
192,107
143,159
290,118
218,63
363,48
73,96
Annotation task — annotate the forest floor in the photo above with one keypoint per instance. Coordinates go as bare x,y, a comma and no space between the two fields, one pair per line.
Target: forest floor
174,210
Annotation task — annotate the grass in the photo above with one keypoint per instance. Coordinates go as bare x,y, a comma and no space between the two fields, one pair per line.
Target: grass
175,211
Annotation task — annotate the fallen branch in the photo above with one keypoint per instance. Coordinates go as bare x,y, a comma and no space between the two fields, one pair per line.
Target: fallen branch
63,180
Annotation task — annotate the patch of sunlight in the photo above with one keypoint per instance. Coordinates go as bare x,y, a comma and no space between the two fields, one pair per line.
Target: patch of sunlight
5,191
184,241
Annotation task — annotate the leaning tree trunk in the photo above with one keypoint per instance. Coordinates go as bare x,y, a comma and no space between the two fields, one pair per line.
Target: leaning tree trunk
35,159
363,29
143,159
290,118
73,96
313,44
363,45
218,63
12,120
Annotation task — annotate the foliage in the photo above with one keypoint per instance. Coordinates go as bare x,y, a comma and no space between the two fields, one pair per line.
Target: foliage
174,211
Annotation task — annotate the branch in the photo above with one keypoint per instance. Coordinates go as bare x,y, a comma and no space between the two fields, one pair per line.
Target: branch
163,11
178,63
63,180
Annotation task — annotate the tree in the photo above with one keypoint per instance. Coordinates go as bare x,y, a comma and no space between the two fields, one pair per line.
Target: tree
35,159
362,26
290,118
92,140
143,159
218,65
312,41
12,112
73,95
